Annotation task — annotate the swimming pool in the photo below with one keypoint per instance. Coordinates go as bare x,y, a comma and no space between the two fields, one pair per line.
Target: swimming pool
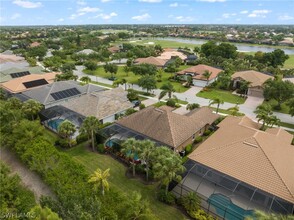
227,209
53,124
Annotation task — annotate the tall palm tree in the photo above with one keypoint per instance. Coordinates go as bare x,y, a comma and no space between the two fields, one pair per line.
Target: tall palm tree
90,126
130,148
146,149
217,101
263,113
99,179
32,108
206,75
167,166
167,89
67,129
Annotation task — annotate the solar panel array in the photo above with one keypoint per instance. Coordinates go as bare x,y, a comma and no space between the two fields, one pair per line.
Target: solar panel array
65,93
34,83
20,74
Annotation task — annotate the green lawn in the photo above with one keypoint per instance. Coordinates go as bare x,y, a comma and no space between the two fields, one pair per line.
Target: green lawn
118,180
287,125
133,79
226,96
284,108
290,62
103,84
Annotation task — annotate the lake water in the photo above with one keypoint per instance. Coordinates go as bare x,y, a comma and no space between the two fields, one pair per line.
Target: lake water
241,47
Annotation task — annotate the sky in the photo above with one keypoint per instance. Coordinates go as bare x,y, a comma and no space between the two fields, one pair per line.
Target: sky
70,12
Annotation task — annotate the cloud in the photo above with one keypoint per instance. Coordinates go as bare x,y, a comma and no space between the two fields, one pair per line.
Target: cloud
60,19
27,4
15,16
228,15
259,13
141,17
103,1
81,2
174,5
106,16
150,1
244,12
212,1
184,19
88,10
285,18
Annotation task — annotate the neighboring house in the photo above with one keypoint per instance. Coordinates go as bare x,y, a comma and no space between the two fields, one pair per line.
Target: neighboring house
35,44
159,63
58,92
23,81
167,54
12,73
255,78
104,105
163,126
114,49
10,58
287,42
196,72
240,168
86,51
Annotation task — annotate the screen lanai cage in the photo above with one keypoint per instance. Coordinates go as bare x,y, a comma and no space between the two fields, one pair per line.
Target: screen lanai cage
52,117
226,197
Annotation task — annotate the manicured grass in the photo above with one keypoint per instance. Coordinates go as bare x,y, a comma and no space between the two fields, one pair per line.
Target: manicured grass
224,111
226,96
103,84
118,180
287,125
284,108
159,104
133,79
290,62
51,136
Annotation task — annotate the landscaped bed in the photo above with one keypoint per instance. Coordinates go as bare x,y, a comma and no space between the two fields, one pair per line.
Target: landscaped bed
226,96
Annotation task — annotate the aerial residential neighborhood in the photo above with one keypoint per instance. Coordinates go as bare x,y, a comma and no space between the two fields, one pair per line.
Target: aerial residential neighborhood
147,110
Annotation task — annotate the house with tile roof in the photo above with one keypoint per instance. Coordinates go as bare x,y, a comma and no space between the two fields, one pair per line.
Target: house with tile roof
256,79
105,105
11,73
243,168
158,62
164,126
196,72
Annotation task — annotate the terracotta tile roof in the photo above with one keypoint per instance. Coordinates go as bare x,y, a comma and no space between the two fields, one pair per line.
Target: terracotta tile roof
17,85
169,53
100,104
163,125
10,58
114,49
35,44
256,78
151,60
198,71
261,159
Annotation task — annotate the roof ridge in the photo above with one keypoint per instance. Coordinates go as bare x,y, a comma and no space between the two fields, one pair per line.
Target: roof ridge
171,129
49,93
274,168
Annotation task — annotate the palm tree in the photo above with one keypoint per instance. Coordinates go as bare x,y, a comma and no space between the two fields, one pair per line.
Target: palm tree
99,179
146,149
67,129
206,75
263,113
167,166
90,126
85,79
31,108
192,106
244,87
273,120
166,89
234,110
217,101
190,201
130,149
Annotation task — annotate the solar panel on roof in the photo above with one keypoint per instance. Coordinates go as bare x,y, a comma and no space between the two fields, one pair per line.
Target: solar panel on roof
19,74
34,83
65,93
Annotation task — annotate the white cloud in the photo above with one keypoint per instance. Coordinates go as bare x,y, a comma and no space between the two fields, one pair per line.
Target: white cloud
105,1
15,16
88,9
212,0
27,4
150,1
285,17
238,19
141,17
228,15
244,12
259,13
106,16
174,5
184,19
81,2
60,19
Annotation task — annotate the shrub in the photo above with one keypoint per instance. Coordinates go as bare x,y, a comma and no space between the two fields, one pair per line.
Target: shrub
100,148
188,149
141,106
190,202
207,133
82,138
168,198
200,215
130,111
177,105
171,103
61,143
198,139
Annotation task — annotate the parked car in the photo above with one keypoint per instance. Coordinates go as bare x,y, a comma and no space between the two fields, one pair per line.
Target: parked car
136,103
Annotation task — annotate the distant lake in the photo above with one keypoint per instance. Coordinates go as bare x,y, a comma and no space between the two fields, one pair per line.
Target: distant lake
241,47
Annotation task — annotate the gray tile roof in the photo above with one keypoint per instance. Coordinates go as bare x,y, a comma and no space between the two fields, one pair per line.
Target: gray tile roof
5,73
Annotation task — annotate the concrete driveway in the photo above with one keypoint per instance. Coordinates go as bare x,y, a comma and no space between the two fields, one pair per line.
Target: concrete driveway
253,102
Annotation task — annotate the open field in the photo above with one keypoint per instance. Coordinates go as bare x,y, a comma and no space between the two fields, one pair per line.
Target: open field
226,96
290,62
118,180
